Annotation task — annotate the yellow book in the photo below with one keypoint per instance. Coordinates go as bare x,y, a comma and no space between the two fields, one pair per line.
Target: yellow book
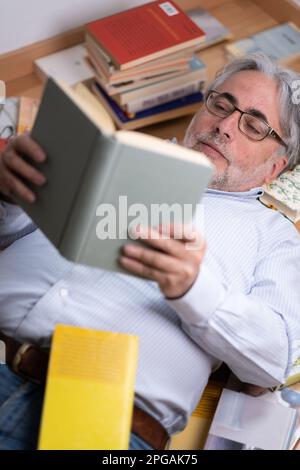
27,113
194,435
90,390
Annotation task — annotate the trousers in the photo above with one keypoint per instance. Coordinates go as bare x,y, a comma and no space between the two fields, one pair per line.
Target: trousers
21,404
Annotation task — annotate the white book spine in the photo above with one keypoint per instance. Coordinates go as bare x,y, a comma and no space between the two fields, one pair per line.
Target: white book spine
164,97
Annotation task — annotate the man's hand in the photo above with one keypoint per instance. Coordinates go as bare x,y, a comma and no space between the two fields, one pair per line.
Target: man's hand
173,263
15,171
253,390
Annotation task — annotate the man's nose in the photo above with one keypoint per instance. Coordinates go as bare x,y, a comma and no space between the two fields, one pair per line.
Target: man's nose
228,127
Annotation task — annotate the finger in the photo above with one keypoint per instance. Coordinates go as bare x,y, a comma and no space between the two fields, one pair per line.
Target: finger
175,248
160,242
199,244
183,232
152,258
186,233
16,163
253,390
139,269
17,187
26,145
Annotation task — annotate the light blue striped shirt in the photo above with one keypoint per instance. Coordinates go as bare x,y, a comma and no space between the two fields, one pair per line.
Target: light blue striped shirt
244,307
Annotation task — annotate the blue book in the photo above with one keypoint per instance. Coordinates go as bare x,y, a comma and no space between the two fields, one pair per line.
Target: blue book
281,43
215,31
179,107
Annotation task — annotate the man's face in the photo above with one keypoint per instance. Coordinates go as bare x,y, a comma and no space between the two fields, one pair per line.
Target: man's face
240,163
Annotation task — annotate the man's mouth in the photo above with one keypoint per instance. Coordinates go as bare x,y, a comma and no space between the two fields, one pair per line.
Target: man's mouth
212,150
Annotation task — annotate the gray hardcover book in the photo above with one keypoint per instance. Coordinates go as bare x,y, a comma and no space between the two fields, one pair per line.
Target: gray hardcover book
100,181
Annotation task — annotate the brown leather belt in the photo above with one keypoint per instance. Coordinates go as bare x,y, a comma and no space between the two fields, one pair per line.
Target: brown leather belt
30,362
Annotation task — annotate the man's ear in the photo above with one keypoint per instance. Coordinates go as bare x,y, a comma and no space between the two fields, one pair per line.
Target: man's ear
278,164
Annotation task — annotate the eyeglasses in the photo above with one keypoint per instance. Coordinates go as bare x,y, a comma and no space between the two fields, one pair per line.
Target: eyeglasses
252,126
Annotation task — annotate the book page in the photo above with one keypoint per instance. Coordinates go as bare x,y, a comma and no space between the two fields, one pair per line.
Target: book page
144,141
90,106
251,423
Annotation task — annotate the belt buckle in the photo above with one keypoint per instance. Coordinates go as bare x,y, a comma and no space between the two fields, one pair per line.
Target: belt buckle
17,361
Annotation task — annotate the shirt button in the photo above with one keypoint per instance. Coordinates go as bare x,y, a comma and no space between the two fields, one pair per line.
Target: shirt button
63,293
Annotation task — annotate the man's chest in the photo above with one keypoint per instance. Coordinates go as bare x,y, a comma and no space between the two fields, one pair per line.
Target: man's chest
234,241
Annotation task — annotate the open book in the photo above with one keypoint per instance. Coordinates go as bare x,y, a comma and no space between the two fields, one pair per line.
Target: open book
102,182
265,419
243,422
283,194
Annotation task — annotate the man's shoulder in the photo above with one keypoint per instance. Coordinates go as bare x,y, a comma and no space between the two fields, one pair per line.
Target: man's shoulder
247,216
277,231
14,224
276,219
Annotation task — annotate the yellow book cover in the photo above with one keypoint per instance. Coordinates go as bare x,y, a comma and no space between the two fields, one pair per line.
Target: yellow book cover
90,390
194,435
27,113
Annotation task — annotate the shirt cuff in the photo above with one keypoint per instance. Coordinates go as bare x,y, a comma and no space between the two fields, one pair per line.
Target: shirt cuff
14,223
201,300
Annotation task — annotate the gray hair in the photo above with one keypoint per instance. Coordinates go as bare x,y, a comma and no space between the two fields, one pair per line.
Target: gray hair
289,107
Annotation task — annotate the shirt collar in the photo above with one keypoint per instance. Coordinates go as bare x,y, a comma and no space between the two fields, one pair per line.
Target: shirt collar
253,193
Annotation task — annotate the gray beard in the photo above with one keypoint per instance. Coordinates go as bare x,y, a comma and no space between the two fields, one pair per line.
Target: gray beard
233,178
219,182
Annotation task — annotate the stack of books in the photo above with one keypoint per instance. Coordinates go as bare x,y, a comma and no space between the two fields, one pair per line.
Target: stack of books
144,64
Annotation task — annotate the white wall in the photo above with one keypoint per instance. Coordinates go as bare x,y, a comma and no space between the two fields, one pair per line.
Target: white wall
25,22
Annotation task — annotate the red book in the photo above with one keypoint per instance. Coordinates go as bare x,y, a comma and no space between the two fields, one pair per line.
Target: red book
145,33
3,143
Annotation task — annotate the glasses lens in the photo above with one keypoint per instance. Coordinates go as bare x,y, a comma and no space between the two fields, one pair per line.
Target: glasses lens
253,127
219,105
